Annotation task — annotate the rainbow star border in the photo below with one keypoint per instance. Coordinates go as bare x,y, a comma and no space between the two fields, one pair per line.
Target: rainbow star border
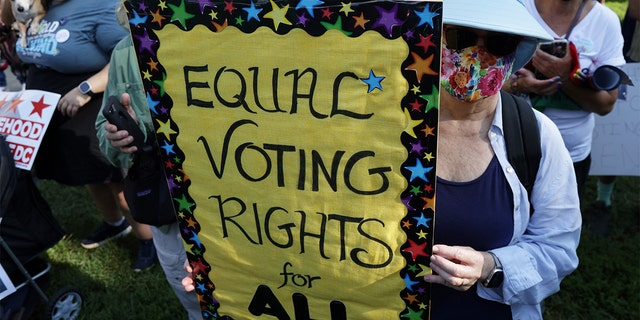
419,24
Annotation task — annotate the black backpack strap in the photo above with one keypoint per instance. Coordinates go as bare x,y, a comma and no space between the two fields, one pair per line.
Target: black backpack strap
522,139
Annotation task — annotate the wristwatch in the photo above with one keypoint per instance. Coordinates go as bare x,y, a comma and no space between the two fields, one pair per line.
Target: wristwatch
85,88
496,276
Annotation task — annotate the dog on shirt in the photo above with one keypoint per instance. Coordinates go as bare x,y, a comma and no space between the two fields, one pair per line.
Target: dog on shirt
27,15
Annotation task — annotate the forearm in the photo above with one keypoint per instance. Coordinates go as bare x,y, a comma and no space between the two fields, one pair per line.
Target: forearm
597,101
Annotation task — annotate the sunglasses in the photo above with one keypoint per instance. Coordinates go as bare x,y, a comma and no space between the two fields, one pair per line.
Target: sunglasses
498,44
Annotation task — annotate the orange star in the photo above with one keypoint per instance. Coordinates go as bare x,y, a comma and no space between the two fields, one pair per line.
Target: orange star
429,203
153,65
191,223
360,21
421,66
406,224
411,298
158,17
428,131
14,104
220,27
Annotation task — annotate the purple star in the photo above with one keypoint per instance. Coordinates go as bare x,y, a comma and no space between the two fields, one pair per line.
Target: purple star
142,7
406,200
205,3
146,43
417,147
302,19
388,19
172,184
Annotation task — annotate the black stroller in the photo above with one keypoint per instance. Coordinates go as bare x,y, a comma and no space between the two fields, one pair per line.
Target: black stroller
28,228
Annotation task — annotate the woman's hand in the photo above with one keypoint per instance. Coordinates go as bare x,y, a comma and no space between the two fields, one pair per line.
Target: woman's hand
458,267
71,102
525,81
187,282
121,138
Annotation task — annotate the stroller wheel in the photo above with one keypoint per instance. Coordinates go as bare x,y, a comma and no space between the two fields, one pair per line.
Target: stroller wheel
64,305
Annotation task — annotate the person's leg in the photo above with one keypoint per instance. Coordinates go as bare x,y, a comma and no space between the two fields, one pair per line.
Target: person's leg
605,189
171,255
114,224
582,173
146,256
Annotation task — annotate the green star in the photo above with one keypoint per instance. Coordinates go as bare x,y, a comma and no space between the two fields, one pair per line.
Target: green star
413,268
180,14
160,84
433,99
415,190
239,21
176,160
184,204
336,26
412,315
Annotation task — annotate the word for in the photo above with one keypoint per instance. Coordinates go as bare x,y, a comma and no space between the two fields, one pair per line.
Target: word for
299,280
21,128
237,79
270,153
340,227
265,302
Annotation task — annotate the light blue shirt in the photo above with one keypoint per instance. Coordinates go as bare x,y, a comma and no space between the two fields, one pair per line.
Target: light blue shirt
543,248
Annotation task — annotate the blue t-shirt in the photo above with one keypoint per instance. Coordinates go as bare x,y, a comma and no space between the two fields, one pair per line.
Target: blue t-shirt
76,36
478,214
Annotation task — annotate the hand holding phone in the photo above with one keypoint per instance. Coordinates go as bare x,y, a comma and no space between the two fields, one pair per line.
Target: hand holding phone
117,115
556,47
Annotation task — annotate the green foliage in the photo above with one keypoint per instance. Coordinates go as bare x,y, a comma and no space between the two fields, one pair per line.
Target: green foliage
109,286
607,282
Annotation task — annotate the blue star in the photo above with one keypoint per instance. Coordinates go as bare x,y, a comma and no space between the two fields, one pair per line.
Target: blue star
201,287
373,81
168,148
422,220
136,20
426,16
195,239
409,283
419,171
152,104
309,4
252,12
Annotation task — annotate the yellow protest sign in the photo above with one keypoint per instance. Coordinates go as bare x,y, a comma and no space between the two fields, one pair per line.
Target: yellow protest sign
299,139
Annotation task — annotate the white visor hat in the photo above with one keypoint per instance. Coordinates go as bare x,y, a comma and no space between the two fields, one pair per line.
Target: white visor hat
507,16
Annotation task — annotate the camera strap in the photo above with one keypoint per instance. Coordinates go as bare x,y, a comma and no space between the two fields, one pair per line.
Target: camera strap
575,19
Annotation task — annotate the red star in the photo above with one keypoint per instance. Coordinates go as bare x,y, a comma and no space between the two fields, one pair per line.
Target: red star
426,42
38,106
168,164
228,6
428,188
416,106
326,13
416,250
198,266
154,90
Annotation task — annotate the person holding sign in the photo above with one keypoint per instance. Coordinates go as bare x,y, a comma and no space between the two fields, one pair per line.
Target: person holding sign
125,83
493,257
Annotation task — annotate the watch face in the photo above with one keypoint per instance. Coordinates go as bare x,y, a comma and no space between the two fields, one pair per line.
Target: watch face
85,87
496,279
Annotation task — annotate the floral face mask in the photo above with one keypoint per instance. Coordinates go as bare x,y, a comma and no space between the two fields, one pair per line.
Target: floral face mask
472,74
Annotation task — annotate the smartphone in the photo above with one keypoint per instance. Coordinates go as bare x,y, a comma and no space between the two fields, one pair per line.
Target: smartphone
117,115
556,47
